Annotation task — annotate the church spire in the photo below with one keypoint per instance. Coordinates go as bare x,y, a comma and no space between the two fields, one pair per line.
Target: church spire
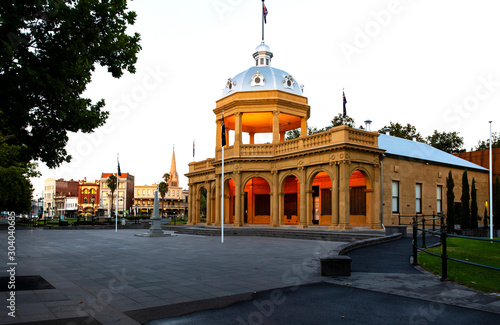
174,178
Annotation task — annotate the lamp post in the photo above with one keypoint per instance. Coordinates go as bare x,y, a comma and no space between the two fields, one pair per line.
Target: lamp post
93,211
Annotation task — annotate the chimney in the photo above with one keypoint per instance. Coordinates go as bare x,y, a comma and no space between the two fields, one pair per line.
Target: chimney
367,124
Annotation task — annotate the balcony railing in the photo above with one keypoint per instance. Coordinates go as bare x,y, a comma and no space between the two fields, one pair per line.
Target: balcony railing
337,135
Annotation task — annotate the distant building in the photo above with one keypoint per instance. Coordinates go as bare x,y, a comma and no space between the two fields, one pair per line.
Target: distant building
173,203
89,194
55,192
482,158
124,192
71,207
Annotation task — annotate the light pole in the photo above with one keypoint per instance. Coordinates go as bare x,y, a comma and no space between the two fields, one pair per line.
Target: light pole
93,211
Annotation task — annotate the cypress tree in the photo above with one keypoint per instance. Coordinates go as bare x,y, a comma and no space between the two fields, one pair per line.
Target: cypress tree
465,200
474,216
450,202
496,204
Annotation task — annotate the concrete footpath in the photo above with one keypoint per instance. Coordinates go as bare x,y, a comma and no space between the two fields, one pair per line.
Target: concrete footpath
108,277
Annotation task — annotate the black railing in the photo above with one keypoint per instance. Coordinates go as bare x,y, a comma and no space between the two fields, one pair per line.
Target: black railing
443,235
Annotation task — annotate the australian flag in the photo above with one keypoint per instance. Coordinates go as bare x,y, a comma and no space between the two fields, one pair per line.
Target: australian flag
264,11
345,102
223,133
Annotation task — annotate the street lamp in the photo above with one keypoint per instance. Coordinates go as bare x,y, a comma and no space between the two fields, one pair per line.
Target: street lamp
93,211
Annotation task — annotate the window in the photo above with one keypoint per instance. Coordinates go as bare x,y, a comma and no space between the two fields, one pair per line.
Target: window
138,192
85,200
439,197
143,192
357,200
85,191
326,201
418,198
92,191
262,205
149,192
395,196
290,204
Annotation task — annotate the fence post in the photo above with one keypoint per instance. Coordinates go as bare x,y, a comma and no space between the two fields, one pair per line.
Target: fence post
423,232
444,257
415,244
433,221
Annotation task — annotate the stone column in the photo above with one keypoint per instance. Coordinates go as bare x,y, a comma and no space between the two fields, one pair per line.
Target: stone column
344,207
303,126
275,222
218,137
252,137
191,208
309,212
375,200
335,198
209,204
238,216
303,199
217,200
237,135
276,127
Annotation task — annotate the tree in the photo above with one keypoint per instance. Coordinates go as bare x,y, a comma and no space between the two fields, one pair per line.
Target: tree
49,51
465,200
166,177
449,142
162,188
340,119
450,202
295,133
111,182
15,188
400,131
484,145
486,217
474,216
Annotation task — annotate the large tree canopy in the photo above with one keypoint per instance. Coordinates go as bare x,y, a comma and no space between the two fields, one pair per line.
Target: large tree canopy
48,53
449,142
402,131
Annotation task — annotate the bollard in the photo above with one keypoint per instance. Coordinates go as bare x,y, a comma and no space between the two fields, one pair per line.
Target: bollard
444,257
423,232
415,244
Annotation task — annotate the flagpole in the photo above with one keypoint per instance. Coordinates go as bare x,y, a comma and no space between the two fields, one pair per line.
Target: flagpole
262,20
117,186
491,189
222,198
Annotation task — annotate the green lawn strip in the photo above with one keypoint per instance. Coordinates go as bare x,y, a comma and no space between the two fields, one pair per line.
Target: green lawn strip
476,251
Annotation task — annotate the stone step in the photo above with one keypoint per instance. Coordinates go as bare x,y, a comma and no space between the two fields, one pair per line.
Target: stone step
277,233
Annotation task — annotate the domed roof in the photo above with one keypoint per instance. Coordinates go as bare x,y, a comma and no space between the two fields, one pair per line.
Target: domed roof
262,76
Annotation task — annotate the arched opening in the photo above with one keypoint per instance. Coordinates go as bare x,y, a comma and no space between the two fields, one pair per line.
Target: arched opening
229,206
257,202
203,204
358,199
291,190
321,199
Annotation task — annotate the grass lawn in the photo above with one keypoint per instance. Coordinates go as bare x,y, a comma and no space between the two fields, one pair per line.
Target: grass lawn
476,251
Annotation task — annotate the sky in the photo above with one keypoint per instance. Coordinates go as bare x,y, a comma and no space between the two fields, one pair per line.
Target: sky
433,64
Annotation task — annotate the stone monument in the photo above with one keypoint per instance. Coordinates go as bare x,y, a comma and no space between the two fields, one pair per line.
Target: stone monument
155,230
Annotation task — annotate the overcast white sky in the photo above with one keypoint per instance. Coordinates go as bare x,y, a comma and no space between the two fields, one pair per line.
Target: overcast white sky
433,64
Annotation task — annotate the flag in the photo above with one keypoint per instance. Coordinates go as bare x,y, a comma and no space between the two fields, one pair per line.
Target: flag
223,133
345,102
264,11
119,171
193,149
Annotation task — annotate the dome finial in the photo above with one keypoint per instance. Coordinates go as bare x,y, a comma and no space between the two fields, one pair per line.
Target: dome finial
262,55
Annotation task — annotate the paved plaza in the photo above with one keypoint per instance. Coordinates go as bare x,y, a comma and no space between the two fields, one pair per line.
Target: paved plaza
108,277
